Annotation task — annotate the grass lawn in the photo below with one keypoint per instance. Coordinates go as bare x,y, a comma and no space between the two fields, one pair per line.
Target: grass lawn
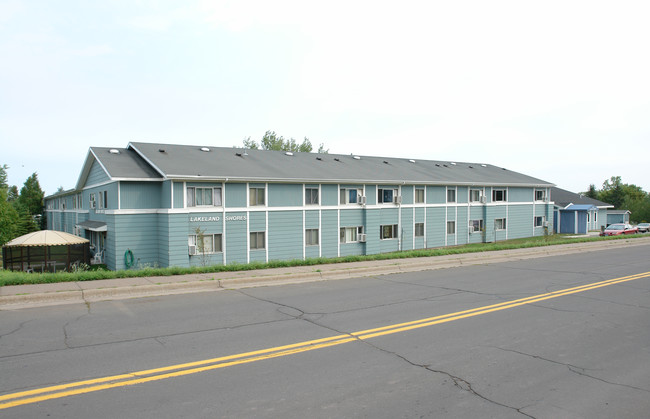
18,278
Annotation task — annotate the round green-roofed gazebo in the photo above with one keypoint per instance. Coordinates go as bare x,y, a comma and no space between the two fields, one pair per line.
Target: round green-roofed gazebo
45,251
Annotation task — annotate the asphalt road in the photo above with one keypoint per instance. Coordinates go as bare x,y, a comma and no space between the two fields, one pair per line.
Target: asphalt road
555,337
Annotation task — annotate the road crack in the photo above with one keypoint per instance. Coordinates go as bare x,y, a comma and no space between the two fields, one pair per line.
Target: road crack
581,371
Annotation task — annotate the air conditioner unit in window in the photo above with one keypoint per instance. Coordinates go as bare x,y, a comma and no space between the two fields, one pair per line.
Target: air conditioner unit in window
362,238
398,199
192,250
471,229
362,200
483,199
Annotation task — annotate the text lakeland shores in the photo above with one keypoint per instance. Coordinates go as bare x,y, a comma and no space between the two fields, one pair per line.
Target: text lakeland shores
227,218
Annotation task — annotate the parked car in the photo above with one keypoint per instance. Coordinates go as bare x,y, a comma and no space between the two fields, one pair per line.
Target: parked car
617,229
643,227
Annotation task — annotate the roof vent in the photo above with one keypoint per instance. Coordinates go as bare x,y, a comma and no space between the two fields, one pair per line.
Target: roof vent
288,153
162,150
484,165
452,163
319,158
206,149
411,161
385,162
114,151
356,157
336,159
437,164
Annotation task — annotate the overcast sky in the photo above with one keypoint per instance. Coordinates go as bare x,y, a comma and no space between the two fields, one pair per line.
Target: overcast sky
559,90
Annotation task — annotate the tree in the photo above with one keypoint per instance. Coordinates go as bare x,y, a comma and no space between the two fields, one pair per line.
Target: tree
271,141
29,206
592,192
8,215
625,197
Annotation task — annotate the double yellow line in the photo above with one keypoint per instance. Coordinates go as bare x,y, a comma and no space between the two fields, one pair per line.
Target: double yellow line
145,376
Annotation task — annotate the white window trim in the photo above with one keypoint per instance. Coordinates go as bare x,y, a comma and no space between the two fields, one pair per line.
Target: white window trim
347,195
192,241
394,232
380,195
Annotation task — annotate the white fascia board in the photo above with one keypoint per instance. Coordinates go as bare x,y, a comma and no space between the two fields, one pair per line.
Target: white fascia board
350,181
85,170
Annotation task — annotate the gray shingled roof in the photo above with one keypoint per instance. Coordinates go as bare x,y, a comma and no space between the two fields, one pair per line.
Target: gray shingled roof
236,164
562,198
126,163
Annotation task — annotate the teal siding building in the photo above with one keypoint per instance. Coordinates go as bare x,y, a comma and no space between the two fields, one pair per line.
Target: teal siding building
177,205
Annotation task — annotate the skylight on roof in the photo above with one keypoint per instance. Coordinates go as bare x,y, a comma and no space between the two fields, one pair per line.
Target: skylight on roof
206,149
114,151
289,153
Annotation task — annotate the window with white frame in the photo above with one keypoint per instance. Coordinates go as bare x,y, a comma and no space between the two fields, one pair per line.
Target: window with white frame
419,229
350,195
256,196
203,196
500,224
475,226
451,195
350,234
91,201
204,244
419,195
475,195
451,227
103,199
389,231
77,201
311,196
499,195
540,195
257,240
386,196
311,237
539,221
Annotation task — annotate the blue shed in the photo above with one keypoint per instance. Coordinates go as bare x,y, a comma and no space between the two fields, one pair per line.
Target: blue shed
574,219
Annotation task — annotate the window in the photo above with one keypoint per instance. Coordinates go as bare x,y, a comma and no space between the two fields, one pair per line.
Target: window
257,240
311,237
92,201
451,227
203,197
103,199
211,244
77,201
451,195
387,196
311,196
388,231
539,221
500,224
498,195
475,226
350,196
256,196
419,195
540,195
350,234
419,229
475,195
